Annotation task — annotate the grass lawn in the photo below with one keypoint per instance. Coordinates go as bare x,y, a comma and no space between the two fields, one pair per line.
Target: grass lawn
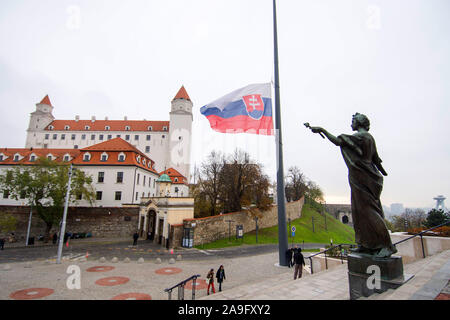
335,231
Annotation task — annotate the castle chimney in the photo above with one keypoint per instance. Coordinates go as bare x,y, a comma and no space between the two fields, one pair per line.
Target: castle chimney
77,118
93,118
125,118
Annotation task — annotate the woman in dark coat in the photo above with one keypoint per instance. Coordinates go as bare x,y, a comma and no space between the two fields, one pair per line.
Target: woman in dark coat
366,182
220,275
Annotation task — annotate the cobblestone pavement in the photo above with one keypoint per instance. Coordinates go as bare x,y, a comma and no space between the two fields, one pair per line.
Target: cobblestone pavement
108,280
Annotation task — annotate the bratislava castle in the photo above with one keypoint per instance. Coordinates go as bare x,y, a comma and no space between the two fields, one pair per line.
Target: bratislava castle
167,143
126,158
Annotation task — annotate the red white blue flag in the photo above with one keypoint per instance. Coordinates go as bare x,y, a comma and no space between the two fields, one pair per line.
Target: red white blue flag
247,109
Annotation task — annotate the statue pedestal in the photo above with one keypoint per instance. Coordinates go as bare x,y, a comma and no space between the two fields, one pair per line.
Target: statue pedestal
368,275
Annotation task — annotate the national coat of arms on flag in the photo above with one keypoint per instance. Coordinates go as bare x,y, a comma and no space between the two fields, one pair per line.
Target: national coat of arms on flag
248,109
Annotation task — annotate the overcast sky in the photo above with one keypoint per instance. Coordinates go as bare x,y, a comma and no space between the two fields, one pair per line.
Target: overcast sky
387,59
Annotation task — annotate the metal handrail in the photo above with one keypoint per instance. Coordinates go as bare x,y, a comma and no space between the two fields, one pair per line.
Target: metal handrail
180,287
420,234
325,252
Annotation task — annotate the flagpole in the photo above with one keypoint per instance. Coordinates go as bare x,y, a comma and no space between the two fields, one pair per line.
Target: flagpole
282,231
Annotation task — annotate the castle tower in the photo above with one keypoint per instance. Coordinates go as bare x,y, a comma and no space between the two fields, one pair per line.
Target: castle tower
39,119
180,133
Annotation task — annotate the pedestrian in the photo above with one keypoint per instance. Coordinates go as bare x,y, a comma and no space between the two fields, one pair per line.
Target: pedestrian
220,275
210,280
299,262
135,238
55,238
289,253
2,243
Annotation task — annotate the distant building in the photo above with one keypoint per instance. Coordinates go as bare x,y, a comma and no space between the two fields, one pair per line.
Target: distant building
397,208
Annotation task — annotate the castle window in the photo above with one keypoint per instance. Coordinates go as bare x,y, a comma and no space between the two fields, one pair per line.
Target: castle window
118,195
101,177
107,128
74,136
164,128
83,137
55,136
118,136
100,137
143,162
138,159
148,137
109,136
47,136
86,157
147,149
66,127
136,137
127,128
1,157
75,146
92,136
104,157
16,158
63,137
150,128
121,157
49,157
66,158
5,194
127,137
176,179
32,158
87,128
98,195
119,177
51,127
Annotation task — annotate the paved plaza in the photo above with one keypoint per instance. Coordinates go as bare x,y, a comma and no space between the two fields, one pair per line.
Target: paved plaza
252,273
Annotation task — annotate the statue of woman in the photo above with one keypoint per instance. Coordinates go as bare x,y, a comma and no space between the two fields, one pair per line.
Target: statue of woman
366,182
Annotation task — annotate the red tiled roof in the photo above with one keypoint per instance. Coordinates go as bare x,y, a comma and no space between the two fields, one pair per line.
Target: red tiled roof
114,125
172,173
182,94
112,147
46,101
39,153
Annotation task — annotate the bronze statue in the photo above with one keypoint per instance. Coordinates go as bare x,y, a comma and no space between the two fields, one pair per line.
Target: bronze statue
366,182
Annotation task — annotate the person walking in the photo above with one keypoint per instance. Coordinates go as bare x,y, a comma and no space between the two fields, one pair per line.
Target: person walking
55,238
210,280
135,238
299,263
220,275
2,243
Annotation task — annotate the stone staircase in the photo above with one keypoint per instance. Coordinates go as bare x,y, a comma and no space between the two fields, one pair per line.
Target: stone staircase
430,276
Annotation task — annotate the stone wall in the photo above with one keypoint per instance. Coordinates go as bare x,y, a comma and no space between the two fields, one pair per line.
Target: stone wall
100,222
212,228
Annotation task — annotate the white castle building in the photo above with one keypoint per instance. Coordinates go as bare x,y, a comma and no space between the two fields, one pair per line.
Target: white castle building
167,143
124,157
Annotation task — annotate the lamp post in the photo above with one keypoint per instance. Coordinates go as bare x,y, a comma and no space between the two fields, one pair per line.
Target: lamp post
256,228
63,224
229,229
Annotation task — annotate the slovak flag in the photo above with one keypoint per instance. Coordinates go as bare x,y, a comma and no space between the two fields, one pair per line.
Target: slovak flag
248,109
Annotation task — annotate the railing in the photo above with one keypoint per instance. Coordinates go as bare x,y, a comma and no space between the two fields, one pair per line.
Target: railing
325,252
180,287
420,234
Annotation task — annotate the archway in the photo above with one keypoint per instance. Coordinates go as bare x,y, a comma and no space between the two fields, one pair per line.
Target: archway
344,219
151,223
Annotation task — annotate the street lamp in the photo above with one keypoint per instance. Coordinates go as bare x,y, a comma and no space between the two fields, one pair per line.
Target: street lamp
63,224
229,229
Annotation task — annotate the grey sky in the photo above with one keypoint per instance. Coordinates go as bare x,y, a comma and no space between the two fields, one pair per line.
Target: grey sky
386,59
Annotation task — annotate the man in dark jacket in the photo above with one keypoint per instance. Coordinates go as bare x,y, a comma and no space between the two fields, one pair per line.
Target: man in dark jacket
299,263
220,275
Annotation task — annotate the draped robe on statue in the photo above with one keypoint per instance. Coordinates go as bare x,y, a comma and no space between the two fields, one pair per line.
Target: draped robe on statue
366,182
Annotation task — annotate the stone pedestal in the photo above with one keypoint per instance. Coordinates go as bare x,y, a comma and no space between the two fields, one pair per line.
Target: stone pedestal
368,275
